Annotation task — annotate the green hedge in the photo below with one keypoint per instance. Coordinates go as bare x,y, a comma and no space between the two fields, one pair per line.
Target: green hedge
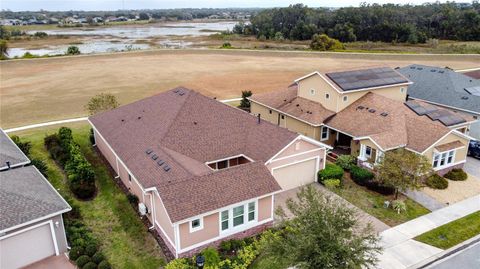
360,175
456,174
67,153
331,171
436,181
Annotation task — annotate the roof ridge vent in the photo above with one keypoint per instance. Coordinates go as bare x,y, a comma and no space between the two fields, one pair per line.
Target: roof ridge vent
371,110
384,114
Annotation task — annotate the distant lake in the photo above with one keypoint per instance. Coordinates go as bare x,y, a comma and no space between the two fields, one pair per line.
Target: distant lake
124,37
146,30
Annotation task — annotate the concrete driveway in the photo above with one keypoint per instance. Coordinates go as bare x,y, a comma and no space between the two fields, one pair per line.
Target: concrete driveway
362,216
60,261
472,166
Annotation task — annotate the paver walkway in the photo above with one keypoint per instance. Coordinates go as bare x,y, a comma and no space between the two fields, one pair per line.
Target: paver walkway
61,262
363,217
401,251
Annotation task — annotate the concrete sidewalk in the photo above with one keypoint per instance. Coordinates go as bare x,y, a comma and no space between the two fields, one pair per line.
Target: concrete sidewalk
401,251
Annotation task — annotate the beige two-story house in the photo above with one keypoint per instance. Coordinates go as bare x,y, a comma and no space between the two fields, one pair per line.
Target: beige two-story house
365,113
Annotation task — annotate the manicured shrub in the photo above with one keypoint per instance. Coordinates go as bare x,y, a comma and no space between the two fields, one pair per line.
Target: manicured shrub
132,199
75,253
40,165
382,189
104,265
361,175
91,249
92,137
98,257
345,161
226,246
331,183
65,136
181,263
90,265
212,258
456,174
23,146
330,171
82,260
83,190
436,181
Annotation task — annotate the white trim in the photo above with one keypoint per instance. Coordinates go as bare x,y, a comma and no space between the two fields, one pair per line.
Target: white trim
223,236
228,161
21,152
295,155
168,237
44,217
302,137
176,230
447,134
235,229
196,229
450,165
447,106
368,137
52,231
321,133
352,136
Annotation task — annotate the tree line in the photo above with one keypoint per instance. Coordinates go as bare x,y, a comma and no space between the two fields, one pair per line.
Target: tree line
369,22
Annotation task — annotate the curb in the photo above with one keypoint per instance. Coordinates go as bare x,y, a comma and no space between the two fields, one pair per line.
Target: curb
447,253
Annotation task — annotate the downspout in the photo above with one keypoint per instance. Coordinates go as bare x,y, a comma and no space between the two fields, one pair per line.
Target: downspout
150,193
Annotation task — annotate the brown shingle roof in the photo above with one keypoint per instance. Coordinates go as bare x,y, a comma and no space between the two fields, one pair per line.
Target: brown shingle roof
289,103
401,127
186,129
449,146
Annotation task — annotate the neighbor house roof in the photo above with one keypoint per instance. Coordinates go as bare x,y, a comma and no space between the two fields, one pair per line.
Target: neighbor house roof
185,130
26,196
389,123
473,74
443,86
288,102
10,153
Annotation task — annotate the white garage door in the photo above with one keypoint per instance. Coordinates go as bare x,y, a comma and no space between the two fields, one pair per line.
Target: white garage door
295,175
26,247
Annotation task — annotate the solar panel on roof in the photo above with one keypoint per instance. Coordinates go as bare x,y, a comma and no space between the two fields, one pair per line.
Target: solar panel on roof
148,151
154,157
160,162
451,120
367,78
166,168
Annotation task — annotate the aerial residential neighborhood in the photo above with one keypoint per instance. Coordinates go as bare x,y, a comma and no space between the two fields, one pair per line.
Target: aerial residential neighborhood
239,135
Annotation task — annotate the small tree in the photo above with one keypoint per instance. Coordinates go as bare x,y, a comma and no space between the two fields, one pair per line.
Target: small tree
73,50
245,103
322,234
23,146
403,170
3,49
101,102
324,42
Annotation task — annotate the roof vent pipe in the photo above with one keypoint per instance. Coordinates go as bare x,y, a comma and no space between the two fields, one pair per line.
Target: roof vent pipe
8,164
258,118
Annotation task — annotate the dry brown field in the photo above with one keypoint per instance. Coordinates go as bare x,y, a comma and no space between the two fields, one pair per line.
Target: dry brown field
39,90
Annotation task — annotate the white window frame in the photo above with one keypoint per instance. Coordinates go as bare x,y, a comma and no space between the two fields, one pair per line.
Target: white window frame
312,91
200,226
345,98
254,211
321,133
368,156
443,156
246,223
327,96
402,89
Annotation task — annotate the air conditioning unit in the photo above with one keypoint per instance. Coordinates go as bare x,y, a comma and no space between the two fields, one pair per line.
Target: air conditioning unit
142,208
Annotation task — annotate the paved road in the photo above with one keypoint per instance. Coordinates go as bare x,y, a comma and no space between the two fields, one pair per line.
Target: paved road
472,166
466,259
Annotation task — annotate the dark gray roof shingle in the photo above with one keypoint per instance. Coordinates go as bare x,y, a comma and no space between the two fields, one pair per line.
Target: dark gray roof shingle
9,152
25,195
442,86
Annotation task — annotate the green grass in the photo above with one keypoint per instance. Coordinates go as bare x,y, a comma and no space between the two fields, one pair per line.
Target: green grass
372,203
453,233
122,236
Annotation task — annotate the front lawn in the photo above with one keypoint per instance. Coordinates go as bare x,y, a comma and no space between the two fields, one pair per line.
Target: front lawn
372,203
453,233
121,234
